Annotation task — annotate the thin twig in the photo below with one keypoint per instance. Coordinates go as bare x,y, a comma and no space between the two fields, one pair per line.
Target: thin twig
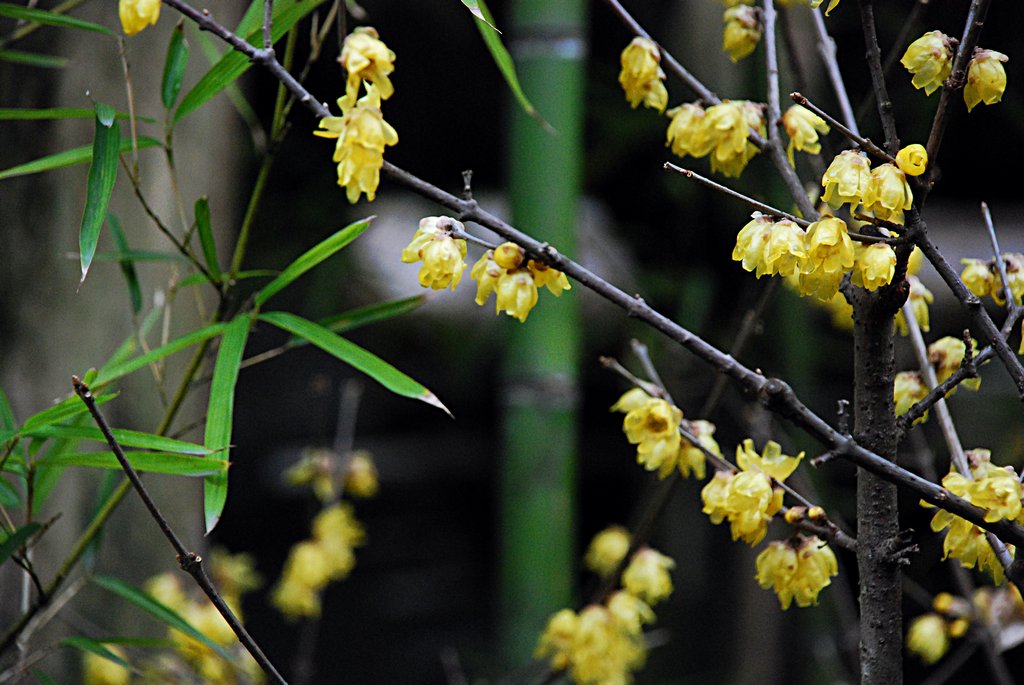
1011,302
827,50
714,185
874,57
858,140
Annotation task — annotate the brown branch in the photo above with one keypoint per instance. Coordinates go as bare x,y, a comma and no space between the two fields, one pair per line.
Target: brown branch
874,57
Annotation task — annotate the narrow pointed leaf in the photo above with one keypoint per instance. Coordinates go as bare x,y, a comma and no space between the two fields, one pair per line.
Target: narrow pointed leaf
127,264
174,66
42,677
102,174
127,438
474,7
49,18
95,647
200,278
9,496
219,413
148,462
67,408
33,59
21,114
16,540
311,258
353,355
115,371
363,316
205,229
77,155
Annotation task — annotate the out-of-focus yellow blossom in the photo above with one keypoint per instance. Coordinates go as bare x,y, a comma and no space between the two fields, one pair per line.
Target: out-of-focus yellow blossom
137,14
786,250
846,179
691,457
295,599
544,276
234,574
647,576
557,639
630,612
366,58
908,390
947,355
928,638
442,254
362,136
606,550
99,670
516,293
486,272
509,255
742,31
687,132
986,78
752,242
728,127
315,469
1000,608
874,266
641,76
920,297
603,653
977,276
654,428
1014,264
930,60
797,570
361,475
888,194
803,127
912,159
166,589
815,4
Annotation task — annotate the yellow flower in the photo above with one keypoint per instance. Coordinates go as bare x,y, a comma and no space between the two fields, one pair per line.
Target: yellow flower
166,589
691,457
647,576
365,58
641,76
361,475
517,293
927,638
99,670
606,550
633,398
486,272
977,276
829,248
908,390
137,14
771,460
786,249
338,523
715,494
234,574
930,60
986,78
846,179
751,243
815,4
798,569
442,254
742,31
687,132
295,599
947,355
602,653
362,136
654,427
728,127
544,276
912,159
823,285
874,266
1014,263
920,297
557,639
509,255
888,194
803,126
630,612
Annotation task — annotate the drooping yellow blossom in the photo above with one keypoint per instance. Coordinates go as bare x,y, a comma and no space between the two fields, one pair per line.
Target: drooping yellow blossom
874,266
442,254
557,639
728,126
509,255
502,271
687,132
316,469
1014,264
986,78
366,58
602,652
846,179
630,612
928,638
362,136
361,475
234,574
803,126
829,248
742,31
137,14
798,569
920,297
691,457
947,355
516,293
633,398
606,550
815,4
486,272
888,194
786,249
908,390
912,159
930,60
99,670
977,276
641,76
544,276
654,428
647,576
752,241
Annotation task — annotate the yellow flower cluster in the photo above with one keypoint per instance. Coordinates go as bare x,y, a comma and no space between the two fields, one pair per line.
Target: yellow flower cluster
653,425
642,76
514,280
982,278
803,126
993,488
799,569
721,131
929,634
604,643
947,355
327,556
443,255
748,499
361,131
742,31
986,78
920,297
318,469
909,389
882,192
930,60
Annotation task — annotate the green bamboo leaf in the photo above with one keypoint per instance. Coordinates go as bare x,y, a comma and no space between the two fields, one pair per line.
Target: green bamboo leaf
311,258
200,279
139,256
157,610
149,462
67,408
234,64
131,343
43,678
33,59
503,59
20,114
127,263
353,355
8,431
205,229
9,495
117,370
127,438
94,646
49,18
76,155
363,316
174,66
220,411
102,174
16,539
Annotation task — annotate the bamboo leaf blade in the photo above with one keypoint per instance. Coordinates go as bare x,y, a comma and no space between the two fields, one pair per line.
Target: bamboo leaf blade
100,185
118,370
174,66
205,229
33,59
167,463
78,155
41,16
127,438
16,539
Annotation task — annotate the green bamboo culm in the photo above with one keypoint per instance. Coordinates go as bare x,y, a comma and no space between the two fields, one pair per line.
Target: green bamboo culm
538,522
